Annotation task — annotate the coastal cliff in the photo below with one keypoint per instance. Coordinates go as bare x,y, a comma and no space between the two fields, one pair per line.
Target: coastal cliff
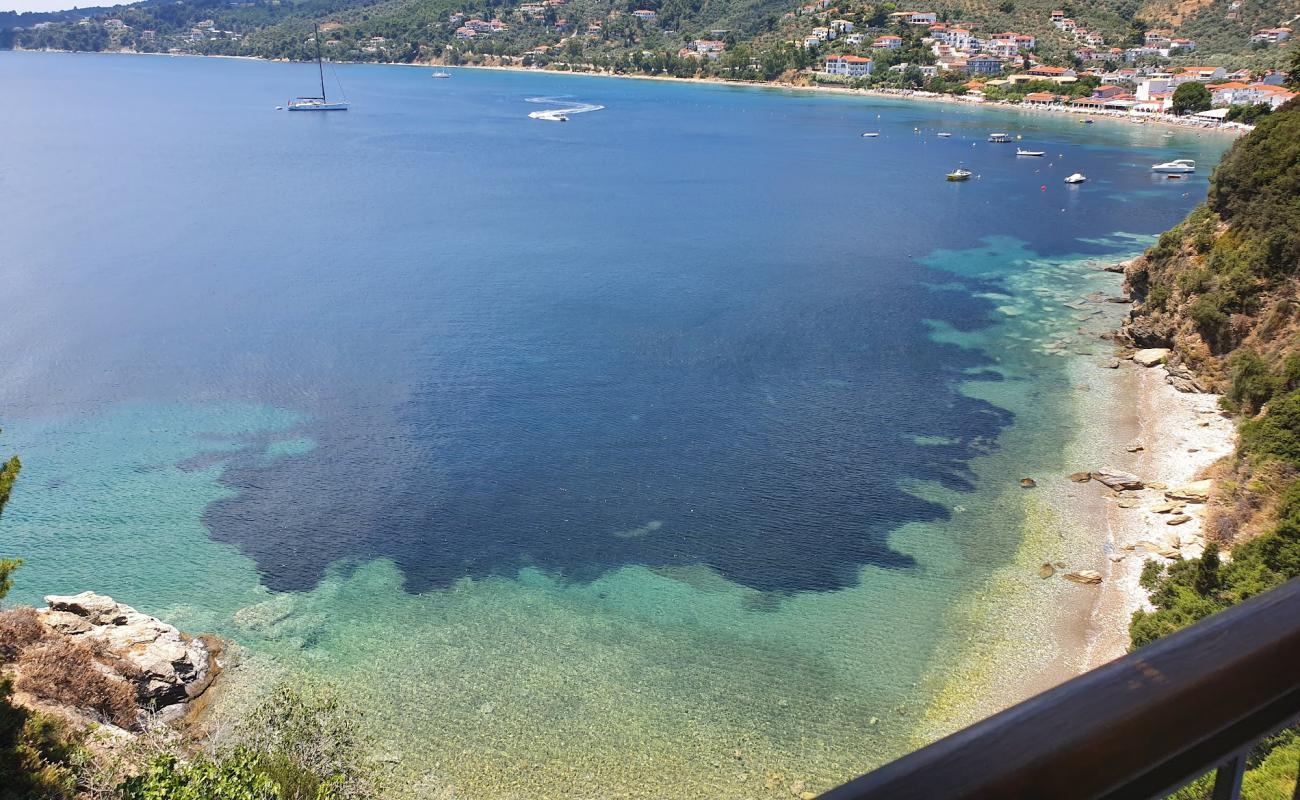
1220,293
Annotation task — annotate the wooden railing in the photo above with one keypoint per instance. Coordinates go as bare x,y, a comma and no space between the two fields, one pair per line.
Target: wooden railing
1138,727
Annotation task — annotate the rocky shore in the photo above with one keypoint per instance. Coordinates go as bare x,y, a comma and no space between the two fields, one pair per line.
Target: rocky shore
1157,501
89,659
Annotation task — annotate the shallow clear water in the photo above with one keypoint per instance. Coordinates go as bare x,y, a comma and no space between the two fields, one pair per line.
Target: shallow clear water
648,455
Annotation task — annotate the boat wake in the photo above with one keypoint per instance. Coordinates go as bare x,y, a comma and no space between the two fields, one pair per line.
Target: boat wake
571,107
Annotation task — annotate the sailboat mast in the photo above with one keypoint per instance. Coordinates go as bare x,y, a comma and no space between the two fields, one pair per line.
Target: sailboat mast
319,65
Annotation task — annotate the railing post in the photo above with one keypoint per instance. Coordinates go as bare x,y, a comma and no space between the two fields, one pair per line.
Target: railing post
1227,778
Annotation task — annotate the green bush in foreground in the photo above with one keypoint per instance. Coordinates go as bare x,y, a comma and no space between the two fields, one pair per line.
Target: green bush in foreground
297,745
1188,591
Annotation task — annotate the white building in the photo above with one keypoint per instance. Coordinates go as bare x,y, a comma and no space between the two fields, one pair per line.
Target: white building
915,17
850,66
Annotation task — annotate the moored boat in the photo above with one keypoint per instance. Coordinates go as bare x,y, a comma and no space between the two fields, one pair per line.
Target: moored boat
870,135
441,74
1000,138
1177,166
317,103
1020,151
959,174
1077,177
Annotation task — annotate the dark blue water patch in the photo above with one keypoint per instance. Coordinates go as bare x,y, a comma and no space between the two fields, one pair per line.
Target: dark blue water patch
770,446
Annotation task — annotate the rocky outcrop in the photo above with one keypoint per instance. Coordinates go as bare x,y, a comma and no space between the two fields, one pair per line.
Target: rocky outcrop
1194,492
166,667
1144,335
1151,356
1116,479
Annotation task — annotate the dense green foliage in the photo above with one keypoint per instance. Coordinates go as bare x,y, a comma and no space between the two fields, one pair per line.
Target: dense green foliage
296,745
235,777
1191,97
1256,190
1187,591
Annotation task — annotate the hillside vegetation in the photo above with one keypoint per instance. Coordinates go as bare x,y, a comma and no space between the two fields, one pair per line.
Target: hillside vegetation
604,34
1223,290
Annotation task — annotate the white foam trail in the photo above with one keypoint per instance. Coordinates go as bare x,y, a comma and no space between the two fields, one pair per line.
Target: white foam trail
559,114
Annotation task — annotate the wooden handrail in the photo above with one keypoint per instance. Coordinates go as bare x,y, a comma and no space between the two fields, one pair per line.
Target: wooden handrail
1140,726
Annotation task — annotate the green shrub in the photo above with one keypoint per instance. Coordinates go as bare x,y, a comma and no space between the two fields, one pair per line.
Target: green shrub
1158,296
35,753
1195,281
1208,314
235,777
1166,247
308,742
1276,434
1250,382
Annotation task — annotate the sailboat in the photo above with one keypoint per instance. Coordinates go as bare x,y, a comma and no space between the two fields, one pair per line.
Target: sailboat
317,103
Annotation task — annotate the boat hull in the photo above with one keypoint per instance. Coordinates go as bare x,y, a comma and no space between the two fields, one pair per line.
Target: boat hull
1173,170
321,107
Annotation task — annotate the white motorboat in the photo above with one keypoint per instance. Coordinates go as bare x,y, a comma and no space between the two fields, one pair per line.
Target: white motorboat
1178,166
1077,177
959,175
1000,138
944,135
870,135
441,74
1036,153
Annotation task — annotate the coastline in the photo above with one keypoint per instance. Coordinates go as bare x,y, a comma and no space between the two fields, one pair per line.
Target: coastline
1026,632
1183,435
1160,120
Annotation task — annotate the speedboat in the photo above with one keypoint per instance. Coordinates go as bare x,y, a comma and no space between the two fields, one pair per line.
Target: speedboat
870,135
959,175
1037,153
1076,178
1000,138
441,74
1177,166
944,135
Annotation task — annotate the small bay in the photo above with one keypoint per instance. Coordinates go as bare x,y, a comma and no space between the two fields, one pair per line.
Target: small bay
654,454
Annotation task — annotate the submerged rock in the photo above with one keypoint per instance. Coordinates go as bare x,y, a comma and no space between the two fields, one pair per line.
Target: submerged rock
1115,479
1081,477
1028,483
1046,570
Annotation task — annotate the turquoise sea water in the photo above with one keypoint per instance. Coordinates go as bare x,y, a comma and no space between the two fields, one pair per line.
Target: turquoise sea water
654,454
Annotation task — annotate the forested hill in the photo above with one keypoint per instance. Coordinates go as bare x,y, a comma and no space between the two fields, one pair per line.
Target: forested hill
601,32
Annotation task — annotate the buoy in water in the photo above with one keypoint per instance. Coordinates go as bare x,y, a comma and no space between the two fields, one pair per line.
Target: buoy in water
1042,188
